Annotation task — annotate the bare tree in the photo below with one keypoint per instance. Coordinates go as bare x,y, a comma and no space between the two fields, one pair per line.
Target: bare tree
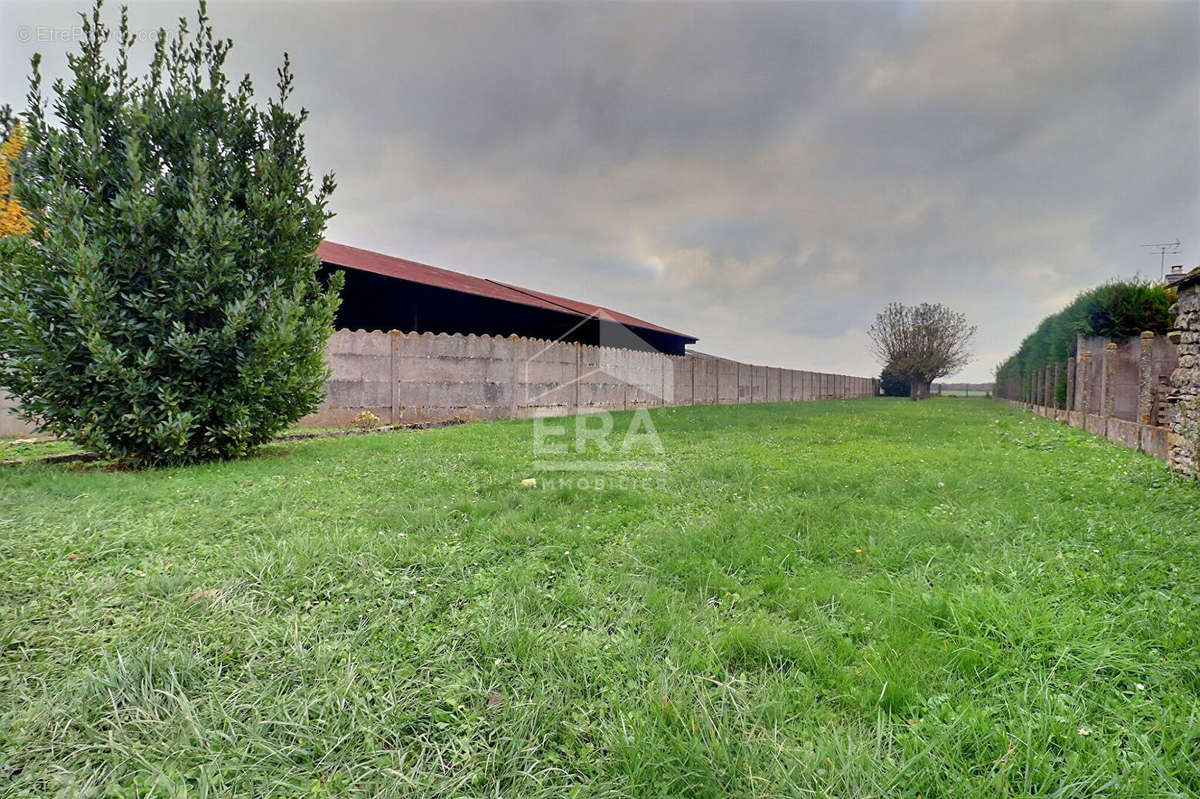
922,342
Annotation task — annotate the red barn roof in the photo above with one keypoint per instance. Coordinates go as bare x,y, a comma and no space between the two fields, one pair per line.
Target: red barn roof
368,261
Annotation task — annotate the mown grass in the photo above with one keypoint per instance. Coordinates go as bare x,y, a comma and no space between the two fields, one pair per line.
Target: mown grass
862,598
34,447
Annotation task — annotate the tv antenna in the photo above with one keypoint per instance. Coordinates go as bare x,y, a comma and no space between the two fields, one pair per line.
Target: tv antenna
1164,248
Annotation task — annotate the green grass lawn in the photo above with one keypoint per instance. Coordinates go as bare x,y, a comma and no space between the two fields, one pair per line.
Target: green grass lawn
31,447
859,598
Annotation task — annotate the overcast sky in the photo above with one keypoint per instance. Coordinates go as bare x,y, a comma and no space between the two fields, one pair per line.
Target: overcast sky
764,177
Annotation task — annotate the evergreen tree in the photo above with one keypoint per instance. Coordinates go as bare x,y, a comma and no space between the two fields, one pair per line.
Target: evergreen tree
165,306
894,384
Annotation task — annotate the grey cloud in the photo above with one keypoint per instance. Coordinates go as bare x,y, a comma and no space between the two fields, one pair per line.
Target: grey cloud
764,176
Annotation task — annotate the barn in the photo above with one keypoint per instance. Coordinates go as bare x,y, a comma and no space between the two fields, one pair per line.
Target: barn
383,292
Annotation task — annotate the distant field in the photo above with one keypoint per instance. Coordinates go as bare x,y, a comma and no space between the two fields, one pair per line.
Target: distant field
855,598
961,391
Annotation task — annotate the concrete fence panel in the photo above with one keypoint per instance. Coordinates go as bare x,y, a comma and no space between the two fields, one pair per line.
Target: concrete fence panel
684,378
11,425
362,378
728,381
547,374
704,379
460,377
1120,381
745,383
598,389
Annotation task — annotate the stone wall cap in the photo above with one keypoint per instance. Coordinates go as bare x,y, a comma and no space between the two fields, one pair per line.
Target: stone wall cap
1190,278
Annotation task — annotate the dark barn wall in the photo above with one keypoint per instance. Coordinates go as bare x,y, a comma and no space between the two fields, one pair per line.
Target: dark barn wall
378,302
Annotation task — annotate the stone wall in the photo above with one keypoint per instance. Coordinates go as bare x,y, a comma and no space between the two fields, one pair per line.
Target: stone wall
1185,380
407,378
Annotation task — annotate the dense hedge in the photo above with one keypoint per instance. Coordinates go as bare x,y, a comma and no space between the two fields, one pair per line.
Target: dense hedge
893,384
1116,310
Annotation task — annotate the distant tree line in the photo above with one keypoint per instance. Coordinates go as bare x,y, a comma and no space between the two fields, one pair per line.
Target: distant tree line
1116,310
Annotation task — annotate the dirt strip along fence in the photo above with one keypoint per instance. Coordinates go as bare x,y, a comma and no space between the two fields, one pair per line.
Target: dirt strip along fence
406,378
1116,389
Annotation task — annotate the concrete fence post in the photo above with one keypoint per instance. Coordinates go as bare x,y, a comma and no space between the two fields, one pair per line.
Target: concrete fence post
1146,378
1070,398
578,371
664,362
1047,389
692,363
512,382
717,383
1085,381
1054,385
1108,385
394,368
1038,378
